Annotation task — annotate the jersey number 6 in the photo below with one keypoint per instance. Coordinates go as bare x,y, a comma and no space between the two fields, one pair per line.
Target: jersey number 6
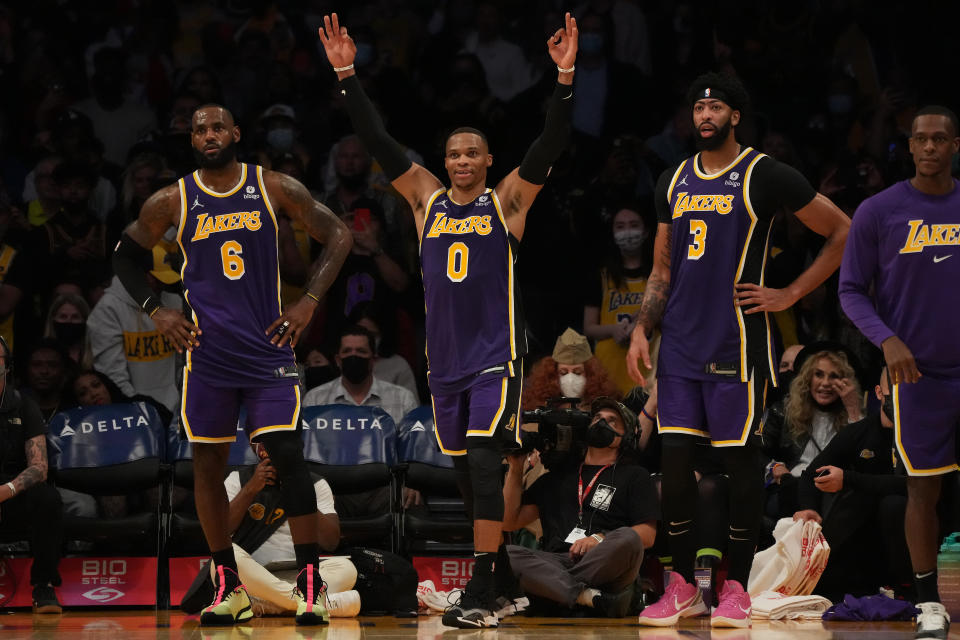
230,252
457,256
698,228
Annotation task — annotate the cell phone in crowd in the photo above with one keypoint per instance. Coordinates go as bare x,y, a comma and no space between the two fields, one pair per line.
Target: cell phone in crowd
361,219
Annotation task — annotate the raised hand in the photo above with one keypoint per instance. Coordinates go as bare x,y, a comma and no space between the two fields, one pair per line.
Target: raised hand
562,45
337,44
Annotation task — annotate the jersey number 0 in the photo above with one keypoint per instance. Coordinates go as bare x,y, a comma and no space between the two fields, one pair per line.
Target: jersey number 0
457,256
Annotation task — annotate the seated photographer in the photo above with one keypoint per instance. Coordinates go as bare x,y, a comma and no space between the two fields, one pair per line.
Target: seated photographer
264,548
850,488
599,512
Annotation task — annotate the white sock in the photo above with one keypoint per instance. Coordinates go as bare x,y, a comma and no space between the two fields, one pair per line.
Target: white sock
586,597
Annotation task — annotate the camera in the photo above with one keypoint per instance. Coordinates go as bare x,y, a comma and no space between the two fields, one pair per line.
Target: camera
560,432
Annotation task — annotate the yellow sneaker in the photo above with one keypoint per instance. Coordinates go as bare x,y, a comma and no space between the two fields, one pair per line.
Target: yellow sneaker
312,599
227,607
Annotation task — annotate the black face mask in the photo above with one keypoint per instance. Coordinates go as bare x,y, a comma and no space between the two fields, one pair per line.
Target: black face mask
316,376
69,333
601,435
355,368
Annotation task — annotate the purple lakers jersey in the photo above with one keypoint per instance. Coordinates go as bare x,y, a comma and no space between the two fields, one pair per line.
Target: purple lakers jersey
231,280
718,240
901,261
467,256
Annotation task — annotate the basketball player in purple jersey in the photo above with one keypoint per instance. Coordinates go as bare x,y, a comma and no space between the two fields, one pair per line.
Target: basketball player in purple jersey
904,246
707,293
239,342
475,338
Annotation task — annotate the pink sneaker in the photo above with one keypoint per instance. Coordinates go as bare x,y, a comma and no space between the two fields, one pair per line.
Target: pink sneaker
734,607
680,600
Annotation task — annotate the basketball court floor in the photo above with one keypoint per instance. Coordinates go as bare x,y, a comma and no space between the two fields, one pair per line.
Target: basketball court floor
103,624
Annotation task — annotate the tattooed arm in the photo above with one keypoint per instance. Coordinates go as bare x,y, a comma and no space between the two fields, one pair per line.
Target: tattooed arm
654,302
293,199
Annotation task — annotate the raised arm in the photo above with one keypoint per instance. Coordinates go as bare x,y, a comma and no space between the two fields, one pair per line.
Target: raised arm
410,179
294,200
132,258
521,186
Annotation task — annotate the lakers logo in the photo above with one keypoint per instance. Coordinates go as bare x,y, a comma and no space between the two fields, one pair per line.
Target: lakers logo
256,511
225,222
922,236
512,424
459,226
721,204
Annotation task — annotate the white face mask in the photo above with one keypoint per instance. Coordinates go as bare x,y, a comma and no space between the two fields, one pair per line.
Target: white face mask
629,239
572,384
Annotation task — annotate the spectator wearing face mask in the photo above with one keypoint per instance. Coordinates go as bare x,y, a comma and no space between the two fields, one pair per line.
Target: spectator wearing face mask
572,371
67,324
610,314
281,133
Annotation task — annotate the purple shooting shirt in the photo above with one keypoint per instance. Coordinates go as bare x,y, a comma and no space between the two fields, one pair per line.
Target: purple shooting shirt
906,244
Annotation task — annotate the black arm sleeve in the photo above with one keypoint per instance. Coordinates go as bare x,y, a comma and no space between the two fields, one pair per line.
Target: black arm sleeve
660,201
550,144
130,262
776,186
369,126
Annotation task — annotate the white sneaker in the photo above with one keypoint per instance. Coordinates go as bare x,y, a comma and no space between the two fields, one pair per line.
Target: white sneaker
933,621
345,604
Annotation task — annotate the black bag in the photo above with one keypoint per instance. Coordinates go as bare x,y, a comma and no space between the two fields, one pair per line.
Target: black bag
387,583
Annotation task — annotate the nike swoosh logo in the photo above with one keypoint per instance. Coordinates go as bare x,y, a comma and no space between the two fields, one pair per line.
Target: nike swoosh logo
569,96
941,258
746,611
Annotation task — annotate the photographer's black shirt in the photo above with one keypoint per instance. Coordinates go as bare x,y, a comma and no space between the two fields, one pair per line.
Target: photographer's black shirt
623,495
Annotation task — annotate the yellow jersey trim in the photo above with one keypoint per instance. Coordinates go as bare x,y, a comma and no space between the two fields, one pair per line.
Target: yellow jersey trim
510,291
276,232
718,174
426,225
911,470
217,194
673,180
743,258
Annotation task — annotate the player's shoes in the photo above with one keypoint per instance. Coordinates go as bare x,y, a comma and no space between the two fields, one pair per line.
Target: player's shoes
345,604
472,610
680,600
933,621
311,597
734,607
230,602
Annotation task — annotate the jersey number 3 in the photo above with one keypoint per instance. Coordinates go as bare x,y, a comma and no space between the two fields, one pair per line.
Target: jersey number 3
230,254
457,256
698,229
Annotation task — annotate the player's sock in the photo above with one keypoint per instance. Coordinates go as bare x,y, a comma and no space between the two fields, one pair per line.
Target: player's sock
225,558
925,583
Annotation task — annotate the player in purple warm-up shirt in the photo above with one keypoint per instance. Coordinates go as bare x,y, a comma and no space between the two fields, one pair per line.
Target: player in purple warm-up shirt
238,340
475,341
707,292
904,247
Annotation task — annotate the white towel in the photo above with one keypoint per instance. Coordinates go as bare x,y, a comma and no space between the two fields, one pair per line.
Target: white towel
793,565
771,605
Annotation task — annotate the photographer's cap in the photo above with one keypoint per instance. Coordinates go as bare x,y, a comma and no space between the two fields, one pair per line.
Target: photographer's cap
572,348
606,402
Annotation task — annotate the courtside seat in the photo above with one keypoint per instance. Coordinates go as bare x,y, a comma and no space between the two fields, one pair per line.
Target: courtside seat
186,534
443,526
354,449
104,451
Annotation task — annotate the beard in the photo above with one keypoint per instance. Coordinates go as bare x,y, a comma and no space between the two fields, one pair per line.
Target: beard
715,141
226,155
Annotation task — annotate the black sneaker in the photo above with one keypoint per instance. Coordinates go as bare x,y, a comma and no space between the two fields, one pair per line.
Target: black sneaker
471,612
933,621
45,600
613,605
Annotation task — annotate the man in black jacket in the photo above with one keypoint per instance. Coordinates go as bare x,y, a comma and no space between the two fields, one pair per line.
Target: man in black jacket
846,488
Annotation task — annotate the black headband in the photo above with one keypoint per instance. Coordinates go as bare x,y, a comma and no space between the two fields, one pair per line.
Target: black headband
715,93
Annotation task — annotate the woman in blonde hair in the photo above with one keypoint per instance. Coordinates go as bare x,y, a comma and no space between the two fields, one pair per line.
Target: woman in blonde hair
824,397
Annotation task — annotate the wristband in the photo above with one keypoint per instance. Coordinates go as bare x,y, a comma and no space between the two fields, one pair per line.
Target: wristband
346,68
596,536
570,70
312,297
643,410
13,489
150,306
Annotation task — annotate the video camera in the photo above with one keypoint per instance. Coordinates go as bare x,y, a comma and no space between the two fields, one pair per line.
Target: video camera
561,430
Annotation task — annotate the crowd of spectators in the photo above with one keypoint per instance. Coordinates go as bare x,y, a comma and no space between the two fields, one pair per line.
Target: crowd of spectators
96,115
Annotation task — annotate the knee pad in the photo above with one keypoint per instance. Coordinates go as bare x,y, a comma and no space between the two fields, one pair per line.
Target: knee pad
286,454
486,476
461,468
